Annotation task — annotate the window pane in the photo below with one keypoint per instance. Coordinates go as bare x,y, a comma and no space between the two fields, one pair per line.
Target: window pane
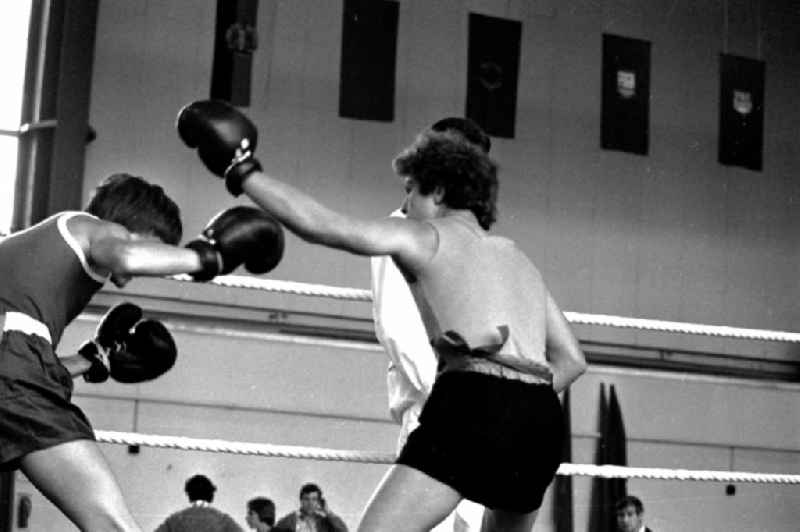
8,171
14,19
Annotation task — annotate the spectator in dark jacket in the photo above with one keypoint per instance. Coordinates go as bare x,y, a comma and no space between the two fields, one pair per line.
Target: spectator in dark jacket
312,516
200,516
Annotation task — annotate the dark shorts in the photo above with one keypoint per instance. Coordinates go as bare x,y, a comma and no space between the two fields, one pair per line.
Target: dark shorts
496,441
36,411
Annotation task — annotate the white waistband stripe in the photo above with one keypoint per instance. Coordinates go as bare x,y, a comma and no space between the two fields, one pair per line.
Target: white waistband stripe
17,321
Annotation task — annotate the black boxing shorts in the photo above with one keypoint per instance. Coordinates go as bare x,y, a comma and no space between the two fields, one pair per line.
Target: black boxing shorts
496,441
36,411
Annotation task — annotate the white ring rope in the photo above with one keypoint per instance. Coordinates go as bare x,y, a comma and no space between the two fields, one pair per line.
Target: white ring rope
318,453
356,294
682,327
233,447
287,287
566,469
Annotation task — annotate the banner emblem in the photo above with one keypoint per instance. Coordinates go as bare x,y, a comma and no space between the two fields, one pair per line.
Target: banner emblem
742,102
626,83
490,75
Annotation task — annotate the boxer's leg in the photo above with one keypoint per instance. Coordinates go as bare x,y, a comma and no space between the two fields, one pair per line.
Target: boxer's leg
75,477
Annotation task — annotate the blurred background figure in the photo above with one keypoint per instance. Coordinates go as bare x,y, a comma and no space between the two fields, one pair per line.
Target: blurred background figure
630,515
200,516
313,514
260,514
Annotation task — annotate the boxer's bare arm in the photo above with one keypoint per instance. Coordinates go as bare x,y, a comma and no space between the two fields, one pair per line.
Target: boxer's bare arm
411,242
110,248
563,350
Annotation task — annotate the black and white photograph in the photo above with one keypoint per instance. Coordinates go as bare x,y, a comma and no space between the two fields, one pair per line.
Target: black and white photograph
252,251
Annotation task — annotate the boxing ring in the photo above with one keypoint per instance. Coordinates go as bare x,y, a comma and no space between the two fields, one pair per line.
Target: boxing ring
369,457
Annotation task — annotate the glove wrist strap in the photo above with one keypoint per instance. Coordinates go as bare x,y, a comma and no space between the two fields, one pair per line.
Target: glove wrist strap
98,357
210,260
238,171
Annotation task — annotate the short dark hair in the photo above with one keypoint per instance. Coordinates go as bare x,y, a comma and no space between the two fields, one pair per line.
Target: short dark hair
199,487
629,500
264,508
309,488
467,128
139,206
466,173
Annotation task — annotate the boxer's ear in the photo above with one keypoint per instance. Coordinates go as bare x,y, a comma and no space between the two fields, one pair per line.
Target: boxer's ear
438,195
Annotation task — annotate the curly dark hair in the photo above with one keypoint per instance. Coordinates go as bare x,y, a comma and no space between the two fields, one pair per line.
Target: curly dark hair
467,128
467,175
139,206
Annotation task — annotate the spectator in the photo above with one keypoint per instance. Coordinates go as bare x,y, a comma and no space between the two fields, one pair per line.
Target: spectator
630,515
260,514
313,514
200,516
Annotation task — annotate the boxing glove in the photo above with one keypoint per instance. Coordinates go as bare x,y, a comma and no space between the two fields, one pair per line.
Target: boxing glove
127,348
148,352
224,137
113,329
238,235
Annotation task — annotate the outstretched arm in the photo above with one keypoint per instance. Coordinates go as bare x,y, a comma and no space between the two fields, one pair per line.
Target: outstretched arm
112,248
225,140
76,364
238,235
563,351
411,241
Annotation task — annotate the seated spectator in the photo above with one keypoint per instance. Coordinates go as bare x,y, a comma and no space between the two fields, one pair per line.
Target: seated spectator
260,514
630,515
313,515
200,516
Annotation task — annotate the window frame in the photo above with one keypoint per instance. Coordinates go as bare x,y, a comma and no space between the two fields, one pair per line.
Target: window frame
55,109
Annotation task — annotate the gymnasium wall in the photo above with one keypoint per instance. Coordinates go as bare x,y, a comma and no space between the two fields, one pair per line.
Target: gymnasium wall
673,235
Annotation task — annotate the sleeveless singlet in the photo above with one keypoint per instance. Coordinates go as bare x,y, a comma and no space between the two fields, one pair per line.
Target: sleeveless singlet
44,273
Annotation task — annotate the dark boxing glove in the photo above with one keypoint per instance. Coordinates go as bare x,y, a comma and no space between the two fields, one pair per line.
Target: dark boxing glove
148,352
236,236
112,330
128,349
224,137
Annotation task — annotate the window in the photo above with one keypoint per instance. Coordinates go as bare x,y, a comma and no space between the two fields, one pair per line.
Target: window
14,43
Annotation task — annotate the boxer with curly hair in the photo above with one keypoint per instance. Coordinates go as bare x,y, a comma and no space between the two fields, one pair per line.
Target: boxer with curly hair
491,430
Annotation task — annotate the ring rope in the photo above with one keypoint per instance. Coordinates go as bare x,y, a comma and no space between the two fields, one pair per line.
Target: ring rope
318,453
287,287
682,327
356,294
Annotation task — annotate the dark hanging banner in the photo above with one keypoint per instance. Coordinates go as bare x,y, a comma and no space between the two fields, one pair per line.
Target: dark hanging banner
492,72
625,114
741,111
562,500
235,40
598,500
6,500
616,454
369,49
611,449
